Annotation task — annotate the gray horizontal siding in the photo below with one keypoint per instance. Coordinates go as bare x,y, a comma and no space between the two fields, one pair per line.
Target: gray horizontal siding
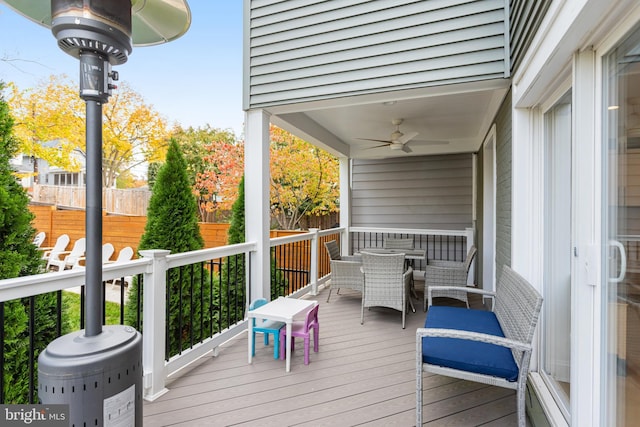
413,192
310,50
525,17
504,176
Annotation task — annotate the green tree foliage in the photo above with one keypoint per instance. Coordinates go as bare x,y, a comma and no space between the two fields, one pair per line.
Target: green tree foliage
133,132
152,173
214,164
19,257
172,224
233,283
16,355
236,232
304,179
193,144
233,272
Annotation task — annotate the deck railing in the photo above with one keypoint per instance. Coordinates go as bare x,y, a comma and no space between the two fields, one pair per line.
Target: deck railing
211,310
448,245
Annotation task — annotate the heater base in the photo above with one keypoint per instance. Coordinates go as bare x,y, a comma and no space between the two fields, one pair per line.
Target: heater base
99,377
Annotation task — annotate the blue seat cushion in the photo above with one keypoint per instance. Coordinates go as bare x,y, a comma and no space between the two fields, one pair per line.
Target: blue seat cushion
465,355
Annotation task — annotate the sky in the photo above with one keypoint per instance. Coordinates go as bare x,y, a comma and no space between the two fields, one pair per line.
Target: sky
193,81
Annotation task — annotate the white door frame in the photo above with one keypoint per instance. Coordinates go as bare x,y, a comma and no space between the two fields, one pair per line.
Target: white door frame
489,210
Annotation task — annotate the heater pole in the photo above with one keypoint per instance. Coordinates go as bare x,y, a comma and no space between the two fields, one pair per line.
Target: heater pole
93,219
94,89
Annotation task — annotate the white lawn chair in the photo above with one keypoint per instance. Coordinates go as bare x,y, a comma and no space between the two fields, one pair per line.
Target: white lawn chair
60,246
66,259
107,251
124,255
39,239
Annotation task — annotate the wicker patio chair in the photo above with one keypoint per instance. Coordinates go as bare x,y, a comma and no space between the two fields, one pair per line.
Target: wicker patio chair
334,252
346,272
447,273
386,283
392,243
489,347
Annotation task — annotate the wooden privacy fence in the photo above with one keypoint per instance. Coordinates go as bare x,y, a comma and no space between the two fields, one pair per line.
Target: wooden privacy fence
123,231
120,231
134,201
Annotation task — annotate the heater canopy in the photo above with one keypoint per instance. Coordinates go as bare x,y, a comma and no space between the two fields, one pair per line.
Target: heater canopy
152,21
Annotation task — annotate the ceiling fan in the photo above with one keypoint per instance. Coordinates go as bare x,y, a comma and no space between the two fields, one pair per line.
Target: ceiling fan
400,141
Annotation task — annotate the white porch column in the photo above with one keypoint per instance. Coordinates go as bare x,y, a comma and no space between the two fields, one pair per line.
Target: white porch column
313,274
345,203
256,200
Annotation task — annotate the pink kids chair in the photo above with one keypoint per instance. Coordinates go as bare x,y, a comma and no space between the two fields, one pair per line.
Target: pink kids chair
302,330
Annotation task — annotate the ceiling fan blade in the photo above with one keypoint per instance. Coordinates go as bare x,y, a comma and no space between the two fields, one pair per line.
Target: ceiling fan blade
430,142
377,146
407,137
406,148
375,140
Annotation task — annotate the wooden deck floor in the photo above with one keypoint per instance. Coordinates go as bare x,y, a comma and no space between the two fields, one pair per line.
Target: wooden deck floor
362,375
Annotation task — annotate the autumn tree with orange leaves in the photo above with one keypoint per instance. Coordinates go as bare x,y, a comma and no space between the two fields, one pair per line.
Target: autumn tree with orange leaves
215,162
50,112
304,179
133,133
217,186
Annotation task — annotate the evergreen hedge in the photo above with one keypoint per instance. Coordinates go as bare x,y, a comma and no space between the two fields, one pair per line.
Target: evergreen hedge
172,223
19,257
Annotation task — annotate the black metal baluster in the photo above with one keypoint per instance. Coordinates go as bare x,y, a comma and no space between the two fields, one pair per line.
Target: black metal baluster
104,303
180,313
167,349
58,314
2,352
140,278
211,289
82,307
202,306
32,347
220,288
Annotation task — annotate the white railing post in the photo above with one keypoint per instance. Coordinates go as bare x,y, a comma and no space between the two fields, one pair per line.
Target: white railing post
313,270
345,204
470,232
154,323
345,242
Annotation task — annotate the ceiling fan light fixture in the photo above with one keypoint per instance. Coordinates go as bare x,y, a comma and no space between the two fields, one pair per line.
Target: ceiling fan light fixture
396,135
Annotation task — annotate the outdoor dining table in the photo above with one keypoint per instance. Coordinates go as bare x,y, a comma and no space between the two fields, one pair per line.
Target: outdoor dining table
409,254
280,310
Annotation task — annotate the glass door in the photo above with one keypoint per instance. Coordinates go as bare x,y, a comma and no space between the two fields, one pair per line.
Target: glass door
556,316
621,233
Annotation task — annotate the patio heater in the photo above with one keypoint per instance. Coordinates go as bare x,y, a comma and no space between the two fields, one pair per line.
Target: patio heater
98,371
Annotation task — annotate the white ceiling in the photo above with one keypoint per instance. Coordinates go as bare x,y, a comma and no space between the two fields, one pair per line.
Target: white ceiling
457,117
